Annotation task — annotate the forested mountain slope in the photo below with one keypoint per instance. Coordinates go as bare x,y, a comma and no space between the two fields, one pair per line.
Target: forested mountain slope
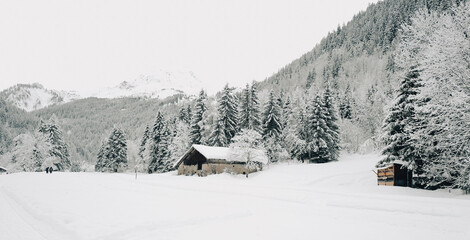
87,122
357,62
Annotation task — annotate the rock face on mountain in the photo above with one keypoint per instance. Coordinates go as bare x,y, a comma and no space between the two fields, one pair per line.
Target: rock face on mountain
30,97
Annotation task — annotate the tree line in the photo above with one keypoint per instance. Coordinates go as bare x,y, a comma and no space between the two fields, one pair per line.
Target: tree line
428,126
286,131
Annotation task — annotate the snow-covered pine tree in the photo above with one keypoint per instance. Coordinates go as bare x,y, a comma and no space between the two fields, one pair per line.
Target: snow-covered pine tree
286,112
183,114
218,137
227,117
442,141
290,139
143,142
101,157
189,114
249,109
280,103
397,125
255,122
245,108
345,107
197,121
159,153
112,156
59,148
310,78
319,133
271,125
331,122
119,150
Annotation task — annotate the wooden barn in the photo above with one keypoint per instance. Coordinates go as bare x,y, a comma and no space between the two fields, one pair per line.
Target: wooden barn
205,160
3,170
395,174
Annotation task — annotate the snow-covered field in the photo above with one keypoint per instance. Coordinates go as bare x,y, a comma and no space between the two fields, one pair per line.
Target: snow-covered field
339,200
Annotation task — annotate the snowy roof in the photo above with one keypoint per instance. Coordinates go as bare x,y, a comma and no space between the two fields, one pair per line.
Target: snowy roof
227,154
2,168
387,165
212,152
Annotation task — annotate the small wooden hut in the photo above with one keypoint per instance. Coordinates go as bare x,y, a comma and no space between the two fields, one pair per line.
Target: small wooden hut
204,160
3,170
394,174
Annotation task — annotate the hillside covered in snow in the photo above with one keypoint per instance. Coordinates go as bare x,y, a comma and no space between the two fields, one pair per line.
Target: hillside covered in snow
338,200
160,85
30,97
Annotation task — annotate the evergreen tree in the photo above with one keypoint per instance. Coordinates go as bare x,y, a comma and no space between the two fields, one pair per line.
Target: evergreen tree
441,131
101,157
331,122
280,103
143,142
159,153
249,109
319,134
59,148
189,114
286,112
255,122
197,127
397,135
271,125
311,78
112,156
218,137
227,114
245,111
345,107
184,114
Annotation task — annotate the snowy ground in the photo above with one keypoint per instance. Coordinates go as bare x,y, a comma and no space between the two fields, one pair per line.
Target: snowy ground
338,200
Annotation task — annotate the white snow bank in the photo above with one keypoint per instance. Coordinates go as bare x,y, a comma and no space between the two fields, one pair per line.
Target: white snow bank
339,200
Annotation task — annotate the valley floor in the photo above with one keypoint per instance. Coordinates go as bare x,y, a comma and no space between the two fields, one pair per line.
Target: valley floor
339,200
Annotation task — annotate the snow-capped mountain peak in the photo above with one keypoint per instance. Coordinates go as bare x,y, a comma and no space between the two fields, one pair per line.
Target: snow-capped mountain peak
162,84
34,96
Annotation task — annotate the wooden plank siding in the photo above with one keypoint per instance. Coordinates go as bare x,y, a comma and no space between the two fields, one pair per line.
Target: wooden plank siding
385,176
394,175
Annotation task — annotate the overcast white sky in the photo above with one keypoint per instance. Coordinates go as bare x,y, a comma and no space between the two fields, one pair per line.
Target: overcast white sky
88,44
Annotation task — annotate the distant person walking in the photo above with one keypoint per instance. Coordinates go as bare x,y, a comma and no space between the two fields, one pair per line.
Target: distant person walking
47,170
50,169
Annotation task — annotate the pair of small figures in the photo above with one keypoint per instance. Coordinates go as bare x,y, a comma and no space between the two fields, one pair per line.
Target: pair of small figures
49,170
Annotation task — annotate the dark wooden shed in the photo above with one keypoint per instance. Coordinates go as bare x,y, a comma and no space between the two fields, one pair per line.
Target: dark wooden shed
3,170
395,174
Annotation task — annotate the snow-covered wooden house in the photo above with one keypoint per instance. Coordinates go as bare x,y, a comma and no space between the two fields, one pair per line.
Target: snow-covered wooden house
204,160
395,174
3,170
